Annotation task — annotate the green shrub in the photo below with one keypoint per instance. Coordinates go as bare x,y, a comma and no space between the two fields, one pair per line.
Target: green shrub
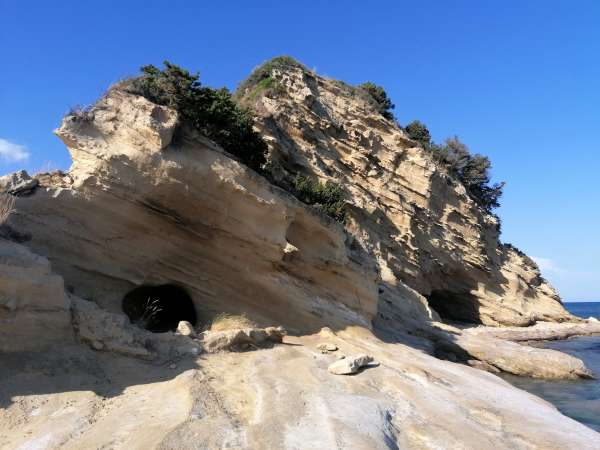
329,197
473,171
417,131
210,111
261,79
382,101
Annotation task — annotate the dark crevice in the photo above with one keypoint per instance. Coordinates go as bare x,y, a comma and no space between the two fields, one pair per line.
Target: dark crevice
159,308
458,307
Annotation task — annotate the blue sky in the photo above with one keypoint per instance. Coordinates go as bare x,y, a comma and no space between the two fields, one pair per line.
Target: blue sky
517,81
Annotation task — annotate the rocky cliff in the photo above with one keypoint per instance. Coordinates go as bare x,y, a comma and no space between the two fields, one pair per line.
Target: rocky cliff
148,201
416,221
151,211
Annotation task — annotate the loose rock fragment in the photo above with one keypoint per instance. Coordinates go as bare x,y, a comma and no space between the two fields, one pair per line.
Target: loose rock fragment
326,347
350,364
214,341
185,328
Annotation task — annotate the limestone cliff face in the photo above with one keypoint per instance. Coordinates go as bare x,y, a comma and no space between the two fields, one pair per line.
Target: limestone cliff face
143,206
34,307
148,201
418,223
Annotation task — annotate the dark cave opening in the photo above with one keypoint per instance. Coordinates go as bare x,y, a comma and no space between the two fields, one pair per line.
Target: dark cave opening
159,308
455,307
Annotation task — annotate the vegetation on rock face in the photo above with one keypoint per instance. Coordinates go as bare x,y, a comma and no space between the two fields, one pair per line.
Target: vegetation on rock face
417,131
210,111
329,197
225,322
472,170
381,99
261,79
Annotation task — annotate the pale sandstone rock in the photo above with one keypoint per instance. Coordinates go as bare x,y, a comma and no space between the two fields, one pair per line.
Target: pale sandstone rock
231,234
327,347
539,331
215,341
419,225
18,183
34,308
236,242
350,364
112,332
185,328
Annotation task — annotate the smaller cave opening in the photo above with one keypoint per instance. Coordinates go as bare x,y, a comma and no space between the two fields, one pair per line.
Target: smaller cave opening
159,308
455,307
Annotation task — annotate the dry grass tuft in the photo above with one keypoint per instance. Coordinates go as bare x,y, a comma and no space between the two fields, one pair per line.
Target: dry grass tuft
224,322
7,203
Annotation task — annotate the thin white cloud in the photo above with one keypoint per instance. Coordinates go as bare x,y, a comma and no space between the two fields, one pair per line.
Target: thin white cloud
11,152
546,264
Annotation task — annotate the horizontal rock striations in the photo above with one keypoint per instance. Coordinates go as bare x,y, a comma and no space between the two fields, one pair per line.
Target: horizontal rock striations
142,205
416,221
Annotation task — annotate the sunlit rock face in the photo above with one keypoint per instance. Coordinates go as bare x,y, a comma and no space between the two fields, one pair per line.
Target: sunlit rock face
147,202
417,223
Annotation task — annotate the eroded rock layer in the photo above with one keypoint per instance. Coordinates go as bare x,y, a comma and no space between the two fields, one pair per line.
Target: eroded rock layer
417,222
141,206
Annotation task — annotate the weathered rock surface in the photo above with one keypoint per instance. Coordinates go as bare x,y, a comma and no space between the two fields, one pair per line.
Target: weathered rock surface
149,202
350,364
34,308
539,332
419,224
278,398
242,339
185,328
140,208
327,347
112,332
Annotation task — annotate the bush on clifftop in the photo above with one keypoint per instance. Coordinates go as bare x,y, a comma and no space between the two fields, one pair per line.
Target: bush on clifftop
261,78
210,111
381,99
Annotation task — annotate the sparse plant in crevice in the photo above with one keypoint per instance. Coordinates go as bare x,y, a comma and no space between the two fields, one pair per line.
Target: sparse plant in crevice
212,112
7,203
149,313
380,98
328,197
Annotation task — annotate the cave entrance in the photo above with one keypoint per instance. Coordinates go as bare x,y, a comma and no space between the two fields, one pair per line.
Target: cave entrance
456,307
159,308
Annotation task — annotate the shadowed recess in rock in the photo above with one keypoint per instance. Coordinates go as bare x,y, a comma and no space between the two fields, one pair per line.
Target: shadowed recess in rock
159,308
455,307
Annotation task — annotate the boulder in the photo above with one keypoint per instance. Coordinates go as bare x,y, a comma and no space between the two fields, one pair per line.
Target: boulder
186,329
350,364
18,183
241,339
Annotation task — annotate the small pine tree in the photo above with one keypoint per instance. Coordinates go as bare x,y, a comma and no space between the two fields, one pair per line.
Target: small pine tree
210,111
417,131
381,99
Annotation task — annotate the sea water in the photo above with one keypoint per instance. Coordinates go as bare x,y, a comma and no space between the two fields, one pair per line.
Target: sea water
578,399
